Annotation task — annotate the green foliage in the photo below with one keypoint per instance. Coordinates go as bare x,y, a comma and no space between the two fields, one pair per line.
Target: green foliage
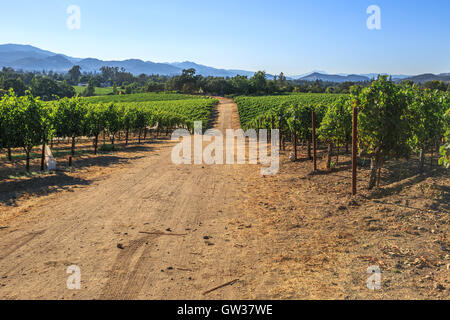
140,97
382,124
35,123
99,91
425,117
66,90
336,127
95,121
16,84
176,113
90,90
48,89
445,148
251,108
436,85
75,74
393,120
299,120
8,120
113,118
70,117
259,82
24,123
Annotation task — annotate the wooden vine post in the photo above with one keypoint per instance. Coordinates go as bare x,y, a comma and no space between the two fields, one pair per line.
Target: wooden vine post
43,157
280,136
273,126
354,150
294,138
314,140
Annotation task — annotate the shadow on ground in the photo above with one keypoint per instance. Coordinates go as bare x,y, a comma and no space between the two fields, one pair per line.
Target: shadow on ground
38,184
10,191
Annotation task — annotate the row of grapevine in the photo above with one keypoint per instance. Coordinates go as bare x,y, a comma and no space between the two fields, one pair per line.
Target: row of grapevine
27,122
445,148
141,97
253,107
393,120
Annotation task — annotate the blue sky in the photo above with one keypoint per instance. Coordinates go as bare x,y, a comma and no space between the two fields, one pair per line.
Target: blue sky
293,36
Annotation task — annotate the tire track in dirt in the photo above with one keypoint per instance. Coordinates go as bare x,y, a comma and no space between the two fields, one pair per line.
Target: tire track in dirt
127,276
8,248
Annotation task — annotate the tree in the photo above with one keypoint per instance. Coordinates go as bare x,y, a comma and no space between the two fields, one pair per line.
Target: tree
45,88
381,123
435,85
75,74
66,90
188,81
153,86
272,87
282,79
259,82
114,89
240,85
90,90
16,84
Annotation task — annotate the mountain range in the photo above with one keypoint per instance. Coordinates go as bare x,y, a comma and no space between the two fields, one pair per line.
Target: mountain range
334,78
29,58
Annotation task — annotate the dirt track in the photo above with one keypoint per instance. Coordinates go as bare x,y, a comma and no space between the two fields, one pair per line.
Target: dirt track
84,228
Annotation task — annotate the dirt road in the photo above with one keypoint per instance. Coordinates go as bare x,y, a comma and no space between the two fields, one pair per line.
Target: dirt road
190,206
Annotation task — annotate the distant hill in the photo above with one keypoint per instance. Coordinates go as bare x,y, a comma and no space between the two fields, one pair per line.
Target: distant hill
29,58
422,78
133,66
209,71
56,63
306,74
334,78
395,77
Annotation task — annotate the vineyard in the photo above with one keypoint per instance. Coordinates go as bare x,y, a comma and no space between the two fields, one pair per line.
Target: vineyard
251,108
394,121
27,122
140,97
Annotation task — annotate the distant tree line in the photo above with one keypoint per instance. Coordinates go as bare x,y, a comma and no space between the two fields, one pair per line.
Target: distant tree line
51,85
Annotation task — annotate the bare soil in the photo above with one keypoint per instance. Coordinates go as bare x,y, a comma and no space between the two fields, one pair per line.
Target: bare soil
140,227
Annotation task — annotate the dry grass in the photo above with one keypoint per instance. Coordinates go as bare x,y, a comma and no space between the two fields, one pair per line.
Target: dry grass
318,240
